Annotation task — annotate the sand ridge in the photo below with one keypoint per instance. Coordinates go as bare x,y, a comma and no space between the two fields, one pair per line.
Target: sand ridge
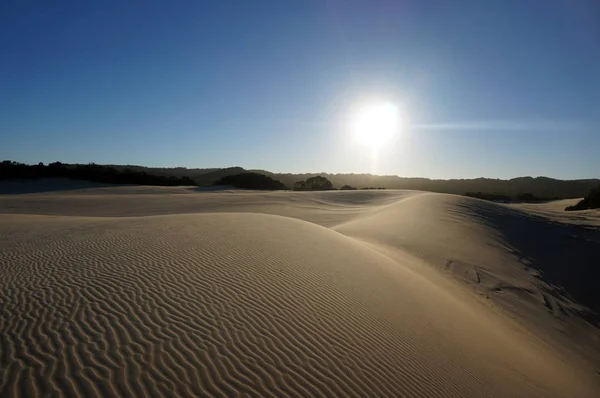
185,293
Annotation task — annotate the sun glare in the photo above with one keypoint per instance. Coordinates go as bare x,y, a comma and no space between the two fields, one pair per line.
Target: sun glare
376,124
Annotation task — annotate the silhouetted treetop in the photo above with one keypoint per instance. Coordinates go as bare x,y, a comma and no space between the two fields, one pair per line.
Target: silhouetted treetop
591,201
316,183
89,172
251,181
487,196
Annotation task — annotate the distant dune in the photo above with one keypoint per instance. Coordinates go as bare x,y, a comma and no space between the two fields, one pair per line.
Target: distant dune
170,291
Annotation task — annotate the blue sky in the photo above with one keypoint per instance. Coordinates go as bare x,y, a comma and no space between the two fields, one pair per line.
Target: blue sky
487,88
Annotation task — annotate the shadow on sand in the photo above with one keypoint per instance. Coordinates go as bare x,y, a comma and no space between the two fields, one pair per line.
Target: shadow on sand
566,257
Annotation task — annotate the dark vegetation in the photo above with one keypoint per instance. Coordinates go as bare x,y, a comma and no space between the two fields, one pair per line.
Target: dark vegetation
251,181
591,201
316,183
539,187
347,188
529,197
89,172
522,197
488,196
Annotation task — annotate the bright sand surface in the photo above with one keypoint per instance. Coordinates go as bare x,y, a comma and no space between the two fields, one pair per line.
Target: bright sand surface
150,291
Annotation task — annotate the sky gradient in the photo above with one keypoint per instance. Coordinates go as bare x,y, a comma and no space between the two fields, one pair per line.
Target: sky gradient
487,88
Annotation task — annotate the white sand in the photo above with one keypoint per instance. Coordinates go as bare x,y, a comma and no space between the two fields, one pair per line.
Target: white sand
143,291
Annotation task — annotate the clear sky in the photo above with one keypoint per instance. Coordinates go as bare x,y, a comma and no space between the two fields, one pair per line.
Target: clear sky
486,88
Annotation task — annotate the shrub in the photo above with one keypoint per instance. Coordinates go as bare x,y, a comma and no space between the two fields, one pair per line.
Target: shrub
251,181
591,201
487,196
317,183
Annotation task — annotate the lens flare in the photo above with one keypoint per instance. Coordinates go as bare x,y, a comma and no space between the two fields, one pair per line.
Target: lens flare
376,124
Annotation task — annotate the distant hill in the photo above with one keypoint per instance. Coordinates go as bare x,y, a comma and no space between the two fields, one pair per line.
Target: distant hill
209,178
542,187
250,180
165,171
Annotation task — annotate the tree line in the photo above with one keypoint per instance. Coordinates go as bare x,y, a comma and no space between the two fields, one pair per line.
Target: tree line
536,189
541,187
90,172
251,180
521,197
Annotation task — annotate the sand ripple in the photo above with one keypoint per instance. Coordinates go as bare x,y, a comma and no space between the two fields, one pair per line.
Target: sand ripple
236,305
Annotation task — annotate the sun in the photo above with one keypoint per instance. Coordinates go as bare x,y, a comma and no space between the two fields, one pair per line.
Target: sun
376,124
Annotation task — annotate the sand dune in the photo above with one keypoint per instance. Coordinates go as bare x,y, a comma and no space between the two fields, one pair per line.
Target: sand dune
137,291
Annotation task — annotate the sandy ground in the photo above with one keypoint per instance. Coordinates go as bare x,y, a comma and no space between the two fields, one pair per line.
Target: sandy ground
151,291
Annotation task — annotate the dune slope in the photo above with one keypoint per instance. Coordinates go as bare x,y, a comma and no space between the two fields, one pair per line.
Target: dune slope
246,304
541,271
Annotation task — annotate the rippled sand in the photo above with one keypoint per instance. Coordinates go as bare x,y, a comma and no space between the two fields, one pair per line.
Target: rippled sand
142,291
